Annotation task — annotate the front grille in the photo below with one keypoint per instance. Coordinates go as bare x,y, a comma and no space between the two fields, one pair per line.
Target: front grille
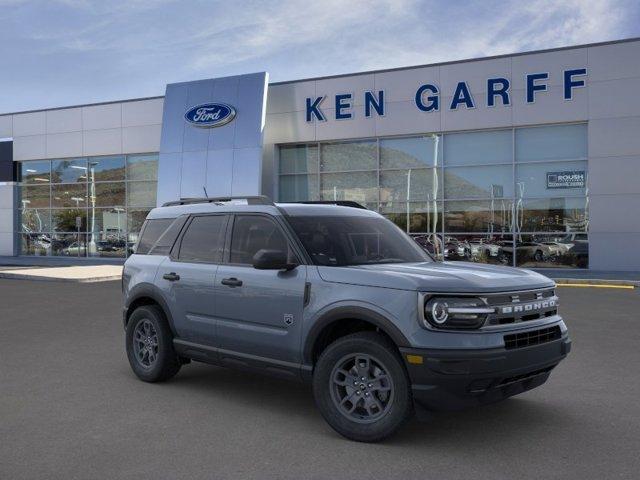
527,296
534,337
519,307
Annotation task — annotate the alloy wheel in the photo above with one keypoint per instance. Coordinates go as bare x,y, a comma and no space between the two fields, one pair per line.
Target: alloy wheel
361,388
145,343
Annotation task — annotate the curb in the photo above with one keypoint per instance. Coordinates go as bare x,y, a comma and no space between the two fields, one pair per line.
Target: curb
19,276
597,282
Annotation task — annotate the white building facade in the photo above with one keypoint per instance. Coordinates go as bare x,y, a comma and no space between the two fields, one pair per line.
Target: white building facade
528,159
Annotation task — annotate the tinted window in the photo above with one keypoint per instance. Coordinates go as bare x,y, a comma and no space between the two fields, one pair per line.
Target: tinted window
107,169
253,233
204,239
69,171
36,172
168,238
341,241
556,142
478,148
151,232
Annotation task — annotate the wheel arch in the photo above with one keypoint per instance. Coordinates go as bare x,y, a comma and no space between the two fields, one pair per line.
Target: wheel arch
146,294
329,321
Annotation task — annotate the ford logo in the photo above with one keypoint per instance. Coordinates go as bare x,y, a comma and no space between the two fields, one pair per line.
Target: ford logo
210,114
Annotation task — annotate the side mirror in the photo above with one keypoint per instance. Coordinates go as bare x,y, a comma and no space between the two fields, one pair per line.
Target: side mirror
266,259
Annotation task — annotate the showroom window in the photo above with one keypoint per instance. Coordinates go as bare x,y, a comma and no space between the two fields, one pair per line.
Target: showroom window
511,196
90,206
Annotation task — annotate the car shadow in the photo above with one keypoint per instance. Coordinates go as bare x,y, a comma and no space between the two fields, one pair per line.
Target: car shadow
246,387
497,423
473,426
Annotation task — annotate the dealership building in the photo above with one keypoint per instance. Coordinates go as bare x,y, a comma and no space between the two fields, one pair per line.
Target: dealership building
529,159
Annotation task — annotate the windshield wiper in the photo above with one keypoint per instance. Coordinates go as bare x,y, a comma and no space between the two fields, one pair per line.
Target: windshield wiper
380,261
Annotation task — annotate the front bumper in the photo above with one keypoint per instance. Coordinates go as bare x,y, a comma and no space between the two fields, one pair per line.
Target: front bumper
454,379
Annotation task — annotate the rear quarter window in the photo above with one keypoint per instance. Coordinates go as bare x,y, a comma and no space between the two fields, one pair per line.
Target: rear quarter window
168,238
151,232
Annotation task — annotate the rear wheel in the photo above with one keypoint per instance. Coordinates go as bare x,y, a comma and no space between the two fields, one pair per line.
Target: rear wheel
361,387
150,345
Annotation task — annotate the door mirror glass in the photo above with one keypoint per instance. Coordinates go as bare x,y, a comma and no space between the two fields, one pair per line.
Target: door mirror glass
266,259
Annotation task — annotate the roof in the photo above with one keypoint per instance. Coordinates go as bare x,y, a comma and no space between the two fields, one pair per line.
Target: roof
177,210
318,210
293,209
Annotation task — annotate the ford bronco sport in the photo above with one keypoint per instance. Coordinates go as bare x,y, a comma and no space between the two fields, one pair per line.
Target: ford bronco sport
338,296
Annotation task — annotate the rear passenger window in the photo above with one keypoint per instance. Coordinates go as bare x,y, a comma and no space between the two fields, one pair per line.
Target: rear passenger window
204,239
253,233
151,232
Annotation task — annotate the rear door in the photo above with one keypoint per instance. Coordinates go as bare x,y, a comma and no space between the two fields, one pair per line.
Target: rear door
187,278
259,312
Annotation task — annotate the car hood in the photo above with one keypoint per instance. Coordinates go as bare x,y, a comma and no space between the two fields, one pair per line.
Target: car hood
461,277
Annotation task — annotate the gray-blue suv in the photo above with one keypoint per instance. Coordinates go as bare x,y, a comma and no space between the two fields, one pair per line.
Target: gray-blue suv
338,296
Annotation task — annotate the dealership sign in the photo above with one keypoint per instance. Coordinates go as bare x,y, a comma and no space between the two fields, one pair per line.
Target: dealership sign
210,115
568,179
427,96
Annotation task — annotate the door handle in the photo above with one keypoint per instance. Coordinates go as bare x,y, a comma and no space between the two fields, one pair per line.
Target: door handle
231,282
172,277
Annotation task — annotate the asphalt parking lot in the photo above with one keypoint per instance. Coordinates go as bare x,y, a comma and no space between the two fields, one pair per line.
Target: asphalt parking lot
71,408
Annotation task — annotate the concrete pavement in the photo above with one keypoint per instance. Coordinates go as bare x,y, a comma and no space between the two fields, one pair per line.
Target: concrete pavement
70,408
77,273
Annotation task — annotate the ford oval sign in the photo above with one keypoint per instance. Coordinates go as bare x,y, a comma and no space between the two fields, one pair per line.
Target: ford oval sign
210,115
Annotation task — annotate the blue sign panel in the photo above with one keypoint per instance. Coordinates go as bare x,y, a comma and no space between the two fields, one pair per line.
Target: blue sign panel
210,115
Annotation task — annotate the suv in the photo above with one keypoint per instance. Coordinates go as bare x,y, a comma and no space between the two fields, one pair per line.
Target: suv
337,296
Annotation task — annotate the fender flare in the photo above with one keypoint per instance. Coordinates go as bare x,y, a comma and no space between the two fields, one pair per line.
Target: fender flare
351,312
149,291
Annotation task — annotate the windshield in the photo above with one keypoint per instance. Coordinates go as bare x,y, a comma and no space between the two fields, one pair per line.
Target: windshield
342,240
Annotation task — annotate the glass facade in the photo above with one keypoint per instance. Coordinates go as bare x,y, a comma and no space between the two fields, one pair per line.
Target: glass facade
85,207
512,196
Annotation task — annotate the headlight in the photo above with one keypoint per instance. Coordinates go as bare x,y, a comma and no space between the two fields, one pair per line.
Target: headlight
455,312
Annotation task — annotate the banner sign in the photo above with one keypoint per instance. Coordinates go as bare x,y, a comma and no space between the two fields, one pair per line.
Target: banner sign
428,97
569,179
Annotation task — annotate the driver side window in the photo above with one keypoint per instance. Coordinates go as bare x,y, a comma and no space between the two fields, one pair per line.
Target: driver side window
252,233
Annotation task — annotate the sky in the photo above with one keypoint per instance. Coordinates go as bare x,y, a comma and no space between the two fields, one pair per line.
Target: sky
68,52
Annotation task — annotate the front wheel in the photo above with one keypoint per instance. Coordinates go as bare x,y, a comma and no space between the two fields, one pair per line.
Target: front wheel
361,387
150,345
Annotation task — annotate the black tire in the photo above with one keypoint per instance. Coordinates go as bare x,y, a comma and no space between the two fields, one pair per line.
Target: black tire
538,257
166,363
399,405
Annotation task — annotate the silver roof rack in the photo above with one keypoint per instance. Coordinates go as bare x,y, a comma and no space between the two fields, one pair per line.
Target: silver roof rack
341,203
251,200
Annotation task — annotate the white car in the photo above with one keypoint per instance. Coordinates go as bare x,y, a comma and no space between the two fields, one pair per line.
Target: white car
481,247
75,249
557,247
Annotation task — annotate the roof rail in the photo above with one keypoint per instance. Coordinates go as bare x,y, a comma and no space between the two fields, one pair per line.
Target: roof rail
341,203
251,200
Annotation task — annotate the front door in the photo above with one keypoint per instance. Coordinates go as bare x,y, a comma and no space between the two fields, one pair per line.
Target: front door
259,312
188,278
